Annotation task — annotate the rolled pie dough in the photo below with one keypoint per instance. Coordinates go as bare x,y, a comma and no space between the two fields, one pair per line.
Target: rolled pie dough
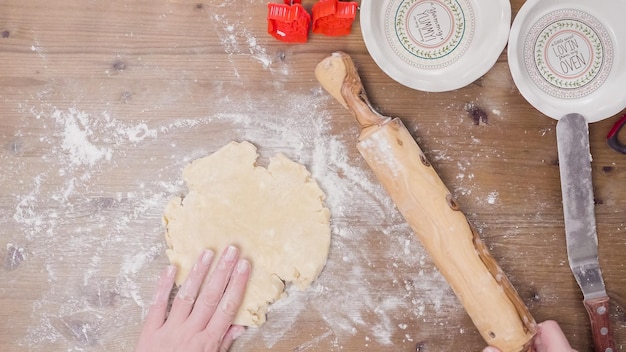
275,216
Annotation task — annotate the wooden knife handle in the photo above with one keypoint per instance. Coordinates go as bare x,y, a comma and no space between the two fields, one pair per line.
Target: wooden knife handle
420,195
598,310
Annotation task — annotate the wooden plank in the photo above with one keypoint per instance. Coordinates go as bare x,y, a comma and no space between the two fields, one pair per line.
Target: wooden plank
103,103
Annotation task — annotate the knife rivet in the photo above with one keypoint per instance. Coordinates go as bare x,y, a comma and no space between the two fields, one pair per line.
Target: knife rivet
604,331
608,349
601,310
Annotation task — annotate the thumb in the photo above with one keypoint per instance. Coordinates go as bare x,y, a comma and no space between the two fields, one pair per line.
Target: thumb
550,337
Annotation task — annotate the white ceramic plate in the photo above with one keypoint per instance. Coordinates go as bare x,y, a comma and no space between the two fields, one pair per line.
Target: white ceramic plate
435,45
568,56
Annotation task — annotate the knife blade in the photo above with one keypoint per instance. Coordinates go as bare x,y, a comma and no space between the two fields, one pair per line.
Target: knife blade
580,225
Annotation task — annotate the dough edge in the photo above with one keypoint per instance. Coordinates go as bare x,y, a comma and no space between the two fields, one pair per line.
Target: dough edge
255,304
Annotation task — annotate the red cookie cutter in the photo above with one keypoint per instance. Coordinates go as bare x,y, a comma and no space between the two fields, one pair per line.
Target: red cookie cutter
288,22
333,17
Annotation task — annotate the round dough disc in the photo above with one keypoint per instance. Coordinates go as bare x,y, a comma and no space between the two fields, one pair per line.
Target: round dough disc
275,216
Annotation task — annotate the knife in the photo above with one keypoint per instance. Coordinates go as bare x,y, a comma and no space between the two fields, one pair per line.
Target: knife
572,133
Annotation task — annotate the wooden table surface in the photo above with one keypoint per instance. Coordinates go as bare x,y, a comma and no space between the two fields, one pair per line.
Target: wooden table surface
102,103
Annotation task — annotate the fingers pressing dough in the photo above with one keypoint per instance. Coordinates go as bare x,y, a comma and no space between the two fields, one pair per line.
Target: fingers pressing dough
275,215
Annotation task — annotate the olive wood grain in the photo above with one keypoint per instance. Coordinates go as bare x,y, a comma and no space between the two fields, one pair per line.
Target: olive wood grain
425,202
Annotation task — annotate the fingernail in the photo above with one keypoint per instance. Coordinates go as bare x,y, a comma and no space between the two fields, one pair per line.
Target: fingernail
237,333
231,253
171,271
243,266
155,297
207,257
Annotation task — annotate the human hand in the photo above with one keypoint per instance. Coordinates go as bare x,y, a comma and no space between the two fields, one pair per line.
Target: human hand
550,338
200,319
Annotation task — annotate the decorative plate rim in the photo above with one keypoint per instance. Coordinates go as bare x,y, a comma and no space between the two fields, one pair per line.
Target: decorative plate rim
594,102
478,57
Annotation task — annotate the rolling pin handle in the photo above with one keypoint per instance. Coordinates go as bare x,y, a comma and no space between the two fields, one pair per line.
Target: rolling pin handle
355,97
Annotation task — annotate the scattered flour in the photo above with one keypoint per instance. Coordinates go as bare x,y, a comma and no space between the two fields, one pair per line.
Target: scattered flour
342,297
492,197
36,48
74,220
76,136
238,40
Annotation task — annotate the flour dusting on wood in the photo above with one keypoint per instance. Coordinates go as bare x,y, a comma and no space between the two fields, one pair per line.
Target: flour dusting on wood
71,215
73,313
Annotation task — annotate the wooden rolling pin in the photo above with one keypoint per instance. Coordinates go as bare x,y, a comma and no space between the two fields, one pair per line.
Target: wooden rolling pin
425,202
